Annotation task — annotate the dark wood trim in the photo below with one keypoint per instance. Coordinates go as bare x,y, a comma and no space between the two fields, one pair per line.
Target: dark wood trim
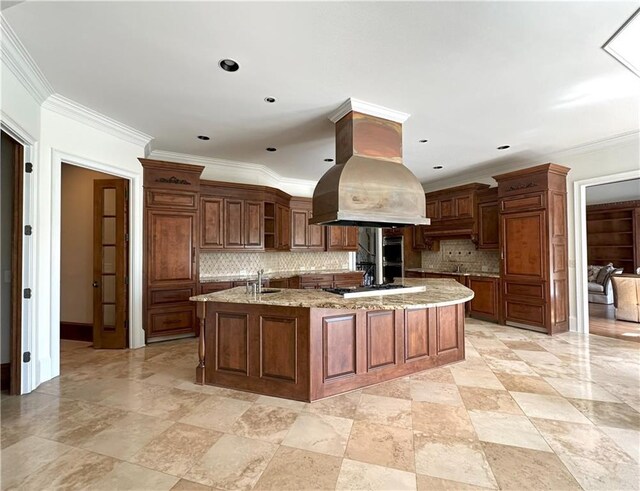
16,268
614,205
5,376
76,331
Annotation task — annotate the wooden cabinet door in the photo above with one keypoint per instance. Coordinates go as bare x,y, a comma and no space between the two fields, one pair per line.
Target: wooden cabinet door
488,226
524,245
418,237
299,226
171,247
464,207
351,239
283,221
233,223
253,225
315,237
335,238
211,223
433,210
448,208
485,302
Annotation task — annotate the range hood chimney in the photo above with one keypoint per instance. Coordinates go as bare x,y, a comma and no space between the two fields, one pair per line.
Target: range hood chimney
368,186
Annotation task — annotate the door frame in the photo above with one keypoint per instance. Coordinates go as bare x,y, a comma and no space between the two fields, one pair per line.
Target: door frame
580,240
22,338
136,331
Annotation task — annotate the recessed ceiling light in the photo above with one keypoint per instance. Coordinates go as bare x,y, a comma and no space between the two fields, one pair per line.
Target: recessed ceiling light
423,141
328,160
270,100
203,137
504,147
229,65
437,167
271,149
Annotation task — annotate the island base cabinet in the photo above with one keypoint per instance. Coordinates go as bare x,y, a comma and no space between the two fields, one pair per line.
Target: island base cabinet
308,354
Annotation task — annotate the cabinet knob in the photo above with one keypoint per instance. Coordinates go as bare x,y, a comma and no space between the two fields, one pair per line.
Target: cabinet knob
95,284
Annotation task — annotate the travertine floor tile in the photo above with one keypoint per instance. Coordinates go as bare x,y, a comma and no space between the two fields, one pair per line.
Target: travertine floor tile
435,392
578,389
523,383
233,462
507,429
177,449
281,402
548,407
489,400
627,440
126,476
442,421
388,446
520,468
429,483
605,477
359,475
399,389
343,406
295,469
268,423
614,414
184,485
442,375
523,345
458,459
476,378
216,413
319,433
384,410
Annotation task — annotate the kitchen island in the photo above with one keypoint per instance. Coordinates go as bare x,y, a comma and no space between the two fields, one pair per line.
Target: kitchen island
310,344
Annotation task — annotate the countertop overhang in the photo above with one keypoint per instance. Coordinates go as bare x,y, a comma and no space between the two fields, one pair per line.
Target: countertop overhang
438,293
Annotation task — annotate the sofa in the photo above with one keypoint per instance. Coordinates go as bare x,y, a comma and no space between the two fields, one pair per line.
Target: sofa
599,283
627,297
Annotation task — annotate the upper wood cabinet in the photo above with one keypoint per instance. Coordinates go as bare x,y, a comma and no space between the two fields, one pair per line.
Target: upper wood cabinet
304,236
277,218
453,203
533,247
211,222
342,238
487,221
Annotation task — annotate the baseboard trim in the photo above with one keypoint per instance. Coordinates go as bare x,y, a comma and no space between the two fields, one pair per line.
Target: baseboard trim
76,331
5,376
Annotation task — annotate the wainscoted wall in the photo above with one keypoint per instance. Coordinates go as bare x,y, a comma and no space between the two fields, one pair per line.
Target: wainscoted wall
453,252
233,263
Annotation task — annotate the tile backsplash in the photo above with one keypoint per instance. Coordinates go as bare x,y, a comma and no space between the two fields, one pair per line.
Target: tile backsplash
464,252
234,263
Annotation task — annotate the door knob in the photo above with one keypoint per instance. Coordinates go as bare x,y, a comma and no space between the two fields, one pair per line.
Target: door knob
95,284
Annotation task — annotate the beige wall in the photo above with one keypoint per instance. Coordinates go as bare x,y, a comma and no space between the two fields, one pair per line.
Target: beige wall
76,244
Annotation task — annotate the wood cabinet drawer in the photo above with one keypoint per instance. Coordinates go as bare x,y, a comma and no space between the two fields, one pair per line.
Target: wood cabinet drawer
524,312
215,286
524,290
279,283
171,199
173,320
519,203
308,278
174,295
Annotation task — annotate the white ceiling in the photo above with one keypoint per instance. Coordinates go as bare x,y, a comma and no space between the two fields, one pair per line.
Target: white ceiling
472,75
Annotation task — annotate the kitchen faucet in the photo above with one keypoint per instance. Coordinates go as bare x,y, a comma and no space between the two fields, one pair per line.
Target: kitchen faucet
458,268
259,285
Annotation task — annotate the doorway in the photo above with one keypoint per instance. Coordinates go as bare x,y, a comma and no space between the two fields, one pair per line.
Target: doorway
94,252
11,181
612,247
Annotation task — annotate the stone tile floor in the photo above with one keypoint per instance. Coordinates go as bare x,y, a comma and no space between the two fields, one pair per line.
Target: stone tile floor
524,411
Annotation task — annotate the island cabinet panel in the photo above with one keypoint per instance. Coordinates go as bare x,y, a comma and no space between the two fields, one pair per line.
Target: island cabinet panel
278,347
232,340
381,339
417,334
447,339
339,341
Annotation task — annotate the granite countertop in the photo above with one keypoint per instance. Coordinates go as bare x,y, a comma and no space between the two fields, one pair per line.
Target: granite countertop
438,293
487,274
273,275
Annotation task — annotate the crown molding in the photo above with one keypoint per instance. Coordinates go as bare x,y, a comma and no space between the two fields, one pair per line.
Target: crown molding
486,171
17,59
226,166
367,108
66,107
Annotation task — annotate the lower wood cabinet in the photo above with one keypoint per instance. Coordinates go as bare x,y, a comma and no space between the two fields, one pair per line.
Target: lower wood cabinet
486,301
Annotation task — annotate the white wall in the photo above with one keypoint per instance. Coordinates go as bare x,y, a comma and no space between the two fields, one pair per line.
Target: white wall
616,191
611,157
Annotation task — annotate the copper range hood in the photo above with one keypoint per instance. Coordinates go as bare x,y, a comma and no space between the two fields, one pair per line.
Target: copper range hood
368,186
